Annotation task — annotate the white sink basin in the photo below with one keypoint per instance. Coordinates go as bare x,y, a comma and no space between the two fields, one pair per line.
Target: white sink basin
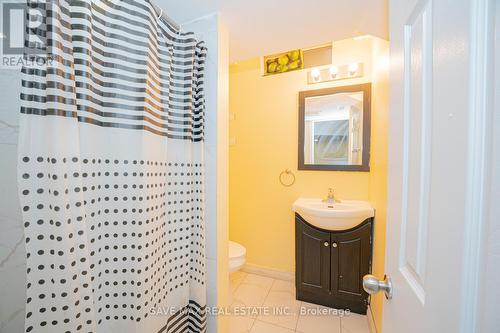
333,216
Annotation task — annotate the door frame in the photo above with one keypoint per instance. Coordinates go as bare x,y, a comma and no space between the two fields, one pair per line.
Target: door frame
481,104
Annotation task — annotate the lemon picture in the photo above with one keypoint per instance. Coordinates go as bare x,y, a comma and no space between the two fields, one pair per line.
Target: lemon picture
284,62
294,55
271,68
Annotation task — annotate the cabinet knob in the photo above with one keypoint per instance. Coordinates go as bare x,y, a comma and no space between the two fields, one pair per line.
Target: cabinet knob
334,244
325,243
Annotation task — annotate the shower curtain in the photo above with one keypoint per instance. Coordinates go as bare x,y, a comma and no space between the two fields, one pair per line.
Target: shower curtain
111,170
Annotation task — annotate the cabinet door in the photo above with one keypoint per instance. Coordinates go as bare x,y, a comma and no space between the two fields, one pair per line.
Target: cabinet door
312,257
350,261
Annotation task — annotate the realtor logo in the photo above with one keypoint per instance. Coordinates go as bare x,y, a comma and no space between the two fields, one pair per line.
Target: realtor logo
23,35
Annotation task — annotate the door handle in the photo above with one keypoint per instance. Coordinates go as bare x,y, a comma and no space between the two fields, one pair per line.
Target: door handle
372,285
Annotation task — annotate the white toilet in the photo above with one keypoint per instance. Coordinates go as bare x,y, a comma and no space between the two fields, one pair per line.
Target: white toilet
237,256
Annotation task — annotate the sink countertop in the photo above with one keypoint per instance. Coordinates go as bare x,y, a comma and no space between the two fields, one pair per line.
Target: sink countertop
342,215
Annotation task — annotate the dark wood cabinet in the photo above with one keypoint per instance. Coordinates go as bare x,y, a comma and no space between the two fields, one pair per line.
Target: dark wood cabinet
313,259
330,265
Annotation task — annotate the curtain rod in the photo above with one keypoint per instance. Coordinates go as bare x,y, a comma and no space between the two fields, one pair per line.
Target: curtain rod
162,14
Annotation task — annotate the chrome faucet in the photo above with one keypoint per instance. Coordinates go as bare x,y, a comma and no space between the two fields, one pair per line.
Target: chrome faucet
331,197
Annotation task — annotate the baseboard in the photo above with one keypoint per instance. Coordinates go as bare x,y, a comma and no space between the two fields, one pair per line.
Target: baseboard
269,272
371,321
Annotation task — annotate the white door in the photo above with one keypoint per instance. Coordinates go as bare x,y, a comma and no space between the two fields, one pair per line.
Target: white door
431,164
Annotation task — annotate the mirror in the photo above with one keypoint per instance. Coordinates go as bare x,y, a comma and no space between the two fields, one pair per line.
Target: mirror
334,128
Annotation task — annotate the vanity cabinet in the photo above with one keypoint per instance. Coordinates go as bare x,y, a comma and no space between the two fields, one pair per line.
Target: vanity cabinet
330,265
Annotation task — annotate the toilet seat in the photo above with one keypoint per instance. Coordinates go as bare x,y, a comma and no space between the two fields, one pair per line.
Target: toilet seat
237,256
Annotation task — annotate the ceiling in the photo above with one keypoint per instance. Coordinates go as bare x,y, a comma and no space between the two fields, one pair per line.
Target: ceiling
259,27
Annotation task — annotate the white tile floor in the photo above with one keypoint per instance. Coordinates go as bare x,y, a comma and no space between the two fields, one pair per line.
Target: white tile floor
267,294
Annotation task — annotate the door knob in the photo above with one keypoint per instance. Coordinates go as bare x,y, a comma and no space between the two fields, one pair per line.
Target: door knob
325,244
334,244
372,285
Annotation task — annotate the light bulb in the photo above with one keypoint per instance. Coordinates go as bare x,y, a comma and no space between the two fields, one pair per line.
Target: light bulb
353,68
334,70
315,73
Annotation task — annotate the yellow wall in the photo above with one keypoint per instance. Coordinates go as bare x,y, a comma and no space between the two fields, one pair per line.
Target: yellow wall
265,130
378,164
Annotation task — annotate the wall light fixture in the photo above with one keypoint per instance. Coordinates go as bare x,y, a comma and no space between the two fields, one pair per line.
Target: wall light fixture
353,68
334,72
315,74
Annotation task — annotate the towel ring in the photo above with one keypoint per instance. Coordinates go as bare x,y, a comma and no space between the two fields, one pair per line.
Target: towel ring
285,173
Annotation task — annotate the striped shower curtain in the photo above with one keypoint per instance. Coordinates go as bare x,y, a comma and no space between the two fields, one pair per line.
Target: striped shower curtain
111,170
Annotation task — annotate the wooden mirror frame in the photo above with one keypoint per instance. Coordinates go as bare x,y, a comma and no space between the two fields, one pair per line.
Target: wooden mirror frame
366,88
